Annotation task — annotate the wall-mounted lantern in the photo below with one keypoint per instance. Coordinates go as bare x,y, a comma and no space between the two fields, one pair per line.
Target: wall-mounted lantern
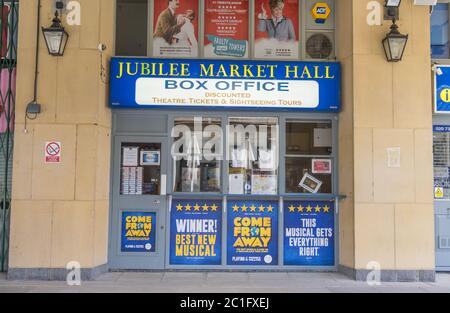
394,44
56,37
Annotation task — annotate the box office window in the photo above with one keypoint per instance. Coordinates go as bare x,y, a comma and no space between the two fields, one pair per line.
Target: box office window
308,160
253,156
196,152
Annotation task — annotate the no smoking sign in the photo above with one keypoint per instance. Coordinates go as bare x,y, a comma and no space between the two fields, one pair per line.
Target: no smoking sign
53,152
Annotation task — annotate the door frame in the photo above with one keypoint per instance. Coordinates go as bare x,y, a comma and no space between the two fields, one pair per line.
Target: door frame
137,203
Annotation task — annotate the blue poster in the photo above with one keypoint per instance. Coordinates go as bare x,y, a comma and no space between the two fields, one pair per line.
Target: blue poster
442,89
252,235
309,233
228,47
138,232
196,232
226,84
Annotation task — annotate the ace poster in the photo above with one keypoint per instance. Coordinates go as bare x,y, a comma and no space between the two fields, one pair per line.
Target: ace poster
226,32
175,28
277,29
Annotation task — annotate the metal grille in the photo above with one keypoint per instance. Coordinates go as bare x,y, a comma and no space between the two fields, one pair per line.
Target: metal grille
9,12
319,46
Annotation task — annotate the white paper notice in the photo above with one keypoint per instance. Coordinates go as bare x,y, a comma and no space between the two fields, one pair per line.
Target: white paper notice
130,156
236,184
394,157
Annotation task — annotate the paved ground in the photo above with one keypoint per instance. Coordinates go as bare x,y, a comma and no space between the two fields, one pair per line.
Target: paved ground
176,282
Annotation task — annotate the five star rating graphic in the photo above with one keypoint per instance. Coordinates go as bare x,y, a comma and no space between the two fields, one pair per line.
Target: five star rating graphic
309,209
197,208
253,208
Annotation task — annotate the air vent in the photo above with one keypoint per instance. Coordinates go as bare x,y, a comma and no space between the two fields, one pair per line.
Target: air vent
319,46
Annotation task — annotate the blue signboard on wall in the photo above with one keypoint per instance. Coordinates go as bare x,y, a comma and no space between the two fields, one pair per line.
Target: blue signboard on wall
164,83
309,233
252,234
196,232
442,89
138,232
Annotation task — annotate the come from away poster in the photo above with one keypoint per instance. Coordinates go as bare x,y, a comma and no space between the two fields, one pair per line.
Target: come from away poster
309,233
138,232
252,235
196,232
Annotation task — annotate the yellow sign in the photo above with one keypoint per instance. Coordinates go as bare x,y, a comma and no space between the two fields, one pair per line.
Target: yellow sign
445,95
439,192
321,12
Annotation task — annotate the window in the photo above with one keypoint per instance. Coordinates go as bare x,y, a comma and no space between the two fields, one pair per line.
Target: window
132,26
197,142
253,156
309,165
140,169
439,31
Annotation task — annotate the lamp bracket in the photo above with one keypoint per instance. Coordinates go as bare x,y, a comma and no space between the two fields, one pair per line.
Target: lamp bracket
60,5
56,22
391,13
394,28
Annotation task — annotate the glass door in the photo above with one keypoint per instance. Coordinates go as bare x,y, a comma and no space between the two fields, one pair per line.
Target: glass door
139,203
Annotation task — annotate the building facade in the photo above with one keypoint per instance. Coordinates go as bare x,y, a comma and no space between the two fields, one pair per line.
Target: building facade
334,175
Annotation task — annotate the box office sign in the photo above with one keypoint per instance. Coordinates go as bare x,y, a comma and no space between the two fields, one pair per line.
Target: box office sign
252,234
138,232
309,233
164,83
196,232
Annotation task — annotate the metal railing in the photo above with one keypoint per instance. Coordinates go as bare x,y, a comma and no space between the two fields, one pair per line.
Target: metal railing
9,12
